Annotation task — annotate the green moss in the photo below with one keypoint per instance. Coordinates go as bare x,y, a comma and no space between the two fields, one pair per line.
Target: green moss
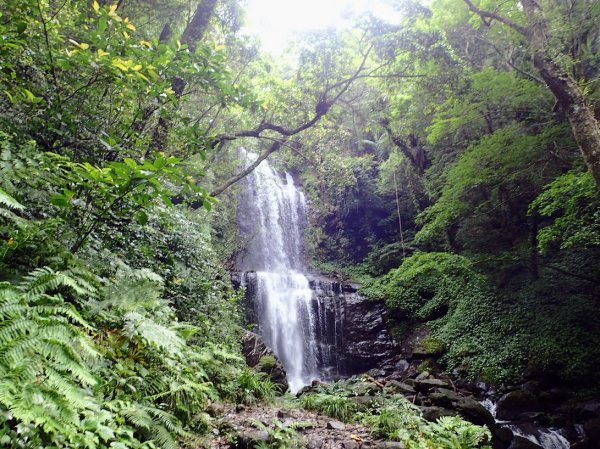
430,346
266,364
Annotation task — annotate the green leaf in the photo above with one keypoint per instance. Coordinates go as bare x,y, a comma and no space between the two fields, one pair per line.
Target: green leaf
59,200
141,218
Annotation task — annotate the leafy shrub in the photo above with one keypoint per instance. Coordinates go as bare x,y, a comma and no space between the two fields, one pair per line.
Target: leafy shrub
333,405
253,387
397,419
487,334
280,436
425,286
571,200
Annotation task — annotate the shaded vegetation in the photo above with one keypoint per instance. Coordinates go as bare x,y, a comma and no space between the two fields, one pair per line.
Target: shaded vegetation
445,168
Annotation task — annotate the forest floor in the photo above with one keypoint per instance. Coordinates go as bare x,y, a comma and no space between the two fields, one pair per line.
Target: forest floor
245,427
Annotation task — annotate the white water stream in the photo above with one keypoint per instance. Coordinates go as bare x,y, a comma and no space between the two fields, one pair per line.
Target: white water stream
272,214
548,438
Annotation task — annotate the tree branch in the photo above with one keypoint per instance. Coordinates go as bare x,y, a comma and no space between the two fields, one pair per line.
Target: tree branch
274,147
492,15
323,106
508,60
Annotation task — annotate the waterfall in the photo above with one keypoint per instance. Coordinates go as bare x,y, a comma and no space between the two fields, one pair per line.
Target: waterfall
271,216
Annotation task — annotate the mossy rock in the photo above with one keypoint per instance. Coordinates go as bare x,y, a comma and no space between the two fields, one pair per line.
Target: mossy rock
429,346
266,364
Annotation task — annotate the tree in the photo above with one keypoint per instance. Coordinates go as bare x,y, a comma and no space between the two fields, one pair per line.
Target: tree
563,84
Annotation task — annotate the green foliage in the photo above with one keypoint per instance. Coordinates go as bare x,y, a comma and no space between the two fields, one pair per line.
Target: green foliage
118,189
280,436
253,387
45,353
393,417
571,201
484,333
339,407
492,97
426,285
482,175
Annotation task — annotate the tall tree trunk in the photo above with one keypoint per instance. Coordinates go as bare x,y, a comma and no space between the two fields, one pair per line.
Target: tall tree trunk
193,33
566,90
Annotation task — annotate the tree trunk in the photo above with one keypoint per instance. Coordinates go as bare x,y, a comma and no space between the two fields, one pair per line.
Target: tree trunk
568,94
566,90
194,31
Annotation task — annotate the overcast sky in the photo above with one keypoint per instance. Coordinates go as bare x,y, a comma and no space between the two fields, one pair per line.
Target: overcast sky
276,21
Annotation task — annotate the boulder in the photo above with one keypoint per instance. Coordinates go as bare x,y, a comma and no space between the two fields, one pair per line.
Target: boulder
349,444
504,434
512,404
428,347
367,388
246,439
284,414
389,445
450,394
314,442
399,387
335,425
363,403
444,397
474,412
433,413
425,385
262,358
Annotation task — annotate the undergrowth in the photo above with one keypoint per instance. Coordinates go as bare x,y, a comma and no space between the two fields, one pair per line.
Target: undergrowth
392,417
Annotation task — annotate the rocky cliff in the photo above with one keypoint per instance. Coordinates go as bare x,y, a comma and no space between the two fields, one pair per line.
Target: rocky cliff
352,336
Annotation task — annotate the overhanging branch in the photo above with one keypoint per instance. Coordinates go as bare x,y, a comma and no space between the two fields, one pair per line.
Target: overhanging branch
231,181
492,15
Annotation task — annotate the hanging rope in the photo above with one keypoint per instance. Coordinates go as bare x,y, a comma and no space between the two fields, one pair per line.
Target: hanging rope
399,217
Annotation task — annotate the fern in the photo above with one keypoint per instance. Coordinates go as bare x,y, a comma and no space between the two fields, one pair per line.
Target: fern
44,353
155,424
153,333
46,279
131,291
9,201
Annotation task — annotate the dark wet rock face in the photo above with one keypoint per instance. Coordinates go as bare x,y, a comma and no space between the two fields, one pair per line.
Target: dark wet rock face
351,334
262,358
514,403
366,341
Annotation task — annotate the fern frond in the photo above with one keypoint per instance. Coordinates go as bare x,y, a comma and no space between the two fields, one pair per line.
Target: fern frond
12,217
166,419
69,393
153,333
163,438
46,279
145,274
42,353
139,417
9,201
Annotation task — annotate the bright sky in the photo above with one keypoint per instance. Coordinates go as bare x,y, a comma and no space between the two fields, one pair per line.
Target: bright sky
276,21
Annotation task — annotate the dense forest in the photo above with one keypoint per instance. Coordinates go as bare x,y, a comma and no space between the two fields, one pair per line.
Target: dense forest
451,164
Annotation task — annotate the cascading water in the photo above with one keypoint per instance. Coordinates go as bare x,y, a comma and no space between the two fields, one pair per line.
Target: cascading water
543,437
272,213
